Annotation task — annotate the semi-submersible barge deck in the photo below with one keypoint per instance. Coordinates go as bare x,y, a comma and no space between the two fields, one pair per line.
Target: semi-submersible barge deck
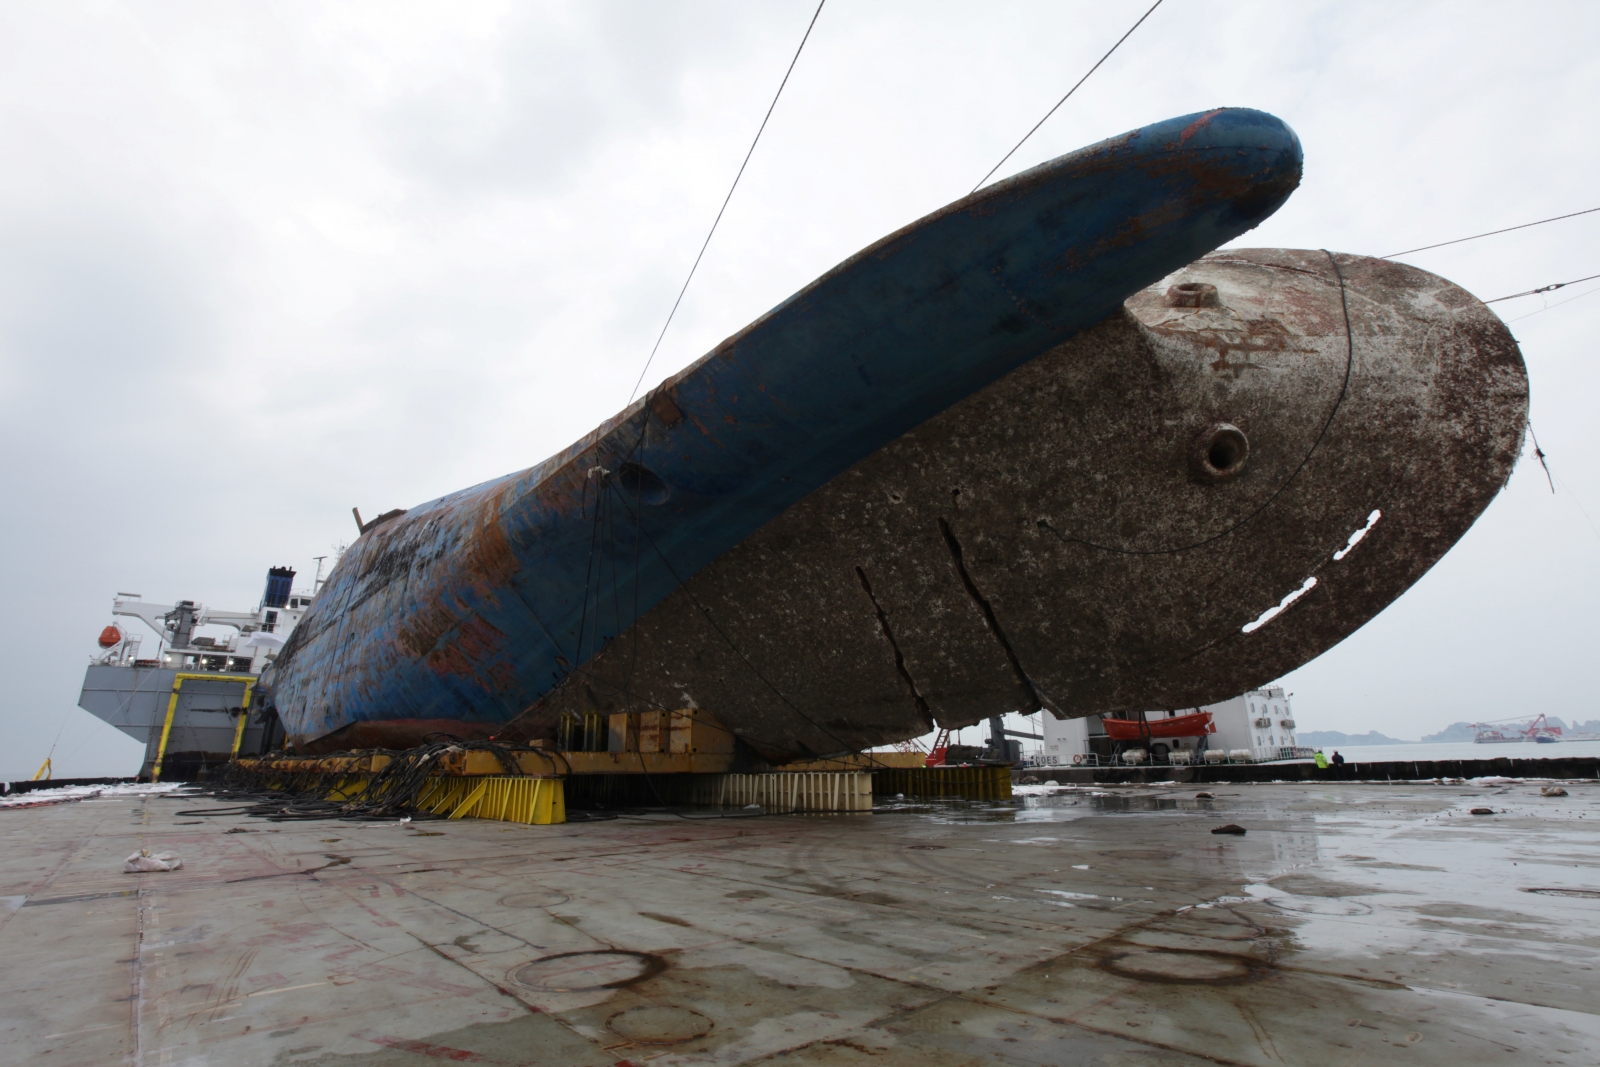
1351,924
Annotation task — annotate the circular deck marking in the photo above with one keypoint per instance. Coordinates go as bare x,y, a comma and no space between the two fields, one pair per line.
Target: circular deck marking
1224,927
579,972
659,1025
1320,906
534,898
1182,967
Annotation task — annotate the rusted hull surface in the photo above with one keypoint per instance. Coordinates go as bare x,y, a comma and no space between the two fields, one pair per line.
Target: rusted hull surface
473,607
1050,540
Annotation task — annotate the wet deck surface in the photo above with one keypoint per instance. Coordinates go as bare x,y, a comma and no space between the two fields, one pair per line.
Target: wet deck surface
1353,924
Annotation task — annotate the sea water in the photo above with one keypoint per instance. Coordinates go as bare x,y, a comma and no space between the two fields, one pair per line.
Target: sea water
1464,750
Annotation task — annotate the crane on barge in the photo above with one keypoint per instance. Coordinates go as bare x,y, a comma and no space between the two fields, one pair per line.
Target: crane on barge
1537,730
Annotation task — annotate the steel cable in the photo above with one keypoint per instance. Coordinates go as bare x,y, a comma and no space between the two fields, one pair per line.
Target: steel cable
1064,99
1491,233
725,200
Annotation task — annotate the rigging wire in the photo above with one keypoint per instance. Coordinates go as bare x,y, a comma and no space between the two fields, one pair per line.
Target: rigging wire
1064,99
1550,476
1491,233
1582,510
707,242
1551,307
1539,452
1544,289
321,791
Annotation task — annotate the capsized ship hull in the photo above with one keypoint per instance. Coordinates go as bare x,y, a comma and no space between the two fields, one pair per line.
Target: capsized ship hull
466,613
1110,527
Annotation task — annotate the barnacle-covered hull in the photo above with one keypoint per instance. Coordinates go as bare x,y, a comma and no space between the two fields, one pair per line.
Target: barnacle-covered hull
1103,529
954,477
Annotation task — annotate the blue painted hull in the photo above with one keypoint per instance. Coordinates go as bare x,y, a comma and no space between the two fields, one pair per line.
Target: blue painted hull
462,613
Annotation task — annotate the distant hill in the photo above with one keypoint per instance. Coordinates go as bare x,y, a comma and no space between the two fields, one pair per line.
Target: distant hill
1327,738
1456,731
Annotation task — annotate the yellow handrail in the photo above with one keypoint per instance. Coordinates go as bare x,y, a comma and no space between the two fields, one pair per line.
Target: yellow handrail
172,710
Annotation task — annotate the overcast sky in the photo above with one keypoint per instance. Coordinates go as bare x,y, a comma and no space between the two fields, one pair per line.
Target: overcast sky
261,263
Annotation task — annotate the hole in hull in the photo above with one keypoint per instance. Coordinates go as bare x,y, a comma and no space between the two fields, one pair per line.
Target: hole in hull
643,483
1278,608
1193,295
1355,538
1219,452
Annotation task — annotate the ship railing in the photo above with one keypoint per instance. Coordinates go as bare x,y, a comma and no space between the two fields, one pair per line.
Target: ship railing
1094,759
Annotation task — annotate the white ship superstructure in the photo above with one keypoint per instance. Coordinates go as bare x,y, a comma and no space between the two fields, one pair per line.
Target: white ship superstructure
1254,727
189,702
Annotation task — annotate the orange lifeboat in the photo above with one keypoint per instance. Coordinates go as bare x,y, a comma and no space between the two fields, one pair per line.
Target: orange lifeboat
1193,725
110,637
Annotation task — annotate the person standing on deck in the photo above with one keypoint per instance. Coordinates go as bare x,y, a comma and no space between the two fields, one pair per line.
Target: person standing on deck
1322,761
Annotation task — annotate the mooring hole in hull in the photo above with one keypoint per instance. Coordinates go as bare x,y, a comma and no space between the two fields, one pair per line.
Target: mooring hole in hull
643,483
1220,452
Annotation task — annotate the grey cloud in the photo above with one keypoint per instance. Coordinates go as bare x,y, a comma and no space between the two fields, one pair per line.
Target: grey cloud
97,303
563,87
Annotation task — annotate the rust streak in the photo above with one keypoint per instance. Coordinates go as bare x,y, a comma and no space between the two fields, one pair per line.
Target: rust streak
428,624
490,559
663,407
475,642
1197,125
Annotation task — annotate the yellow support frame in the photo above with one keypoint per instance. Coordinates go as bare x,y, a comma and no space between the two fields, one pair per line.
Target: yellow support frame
172,711
238,731
471,801
524,799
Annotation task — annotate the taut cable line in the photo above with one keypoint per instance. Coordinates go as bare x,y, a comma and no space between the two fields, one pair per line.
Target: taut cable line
1064,99
1491,233
725,200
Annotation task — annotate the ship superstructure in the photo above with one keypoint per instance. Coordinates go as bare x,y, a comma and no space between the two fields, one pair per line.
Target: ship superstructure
1254,727
188,702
